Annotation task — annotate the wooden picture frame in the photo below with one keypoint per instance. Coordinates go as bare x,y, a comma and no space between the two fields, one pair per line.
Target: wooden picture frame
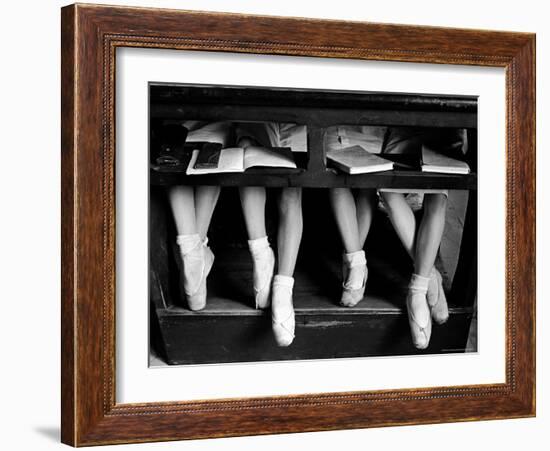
90,37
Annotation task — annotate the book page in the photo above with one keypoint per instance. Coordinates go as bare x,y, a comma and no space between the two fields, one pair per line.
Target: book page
231,160
261,156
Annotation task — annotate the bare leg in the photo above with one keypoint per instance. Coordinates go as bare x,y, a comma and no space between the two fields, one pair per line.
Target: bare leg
289,236
402,219
290,229
427,245
182,202
430,232
206,198
423,253
365,205
345,214
196,263
348,216
253,204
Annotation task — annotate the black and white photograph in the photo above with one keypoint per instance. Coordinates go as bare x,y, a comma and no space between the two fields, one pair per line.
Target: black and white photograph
247,225
300,224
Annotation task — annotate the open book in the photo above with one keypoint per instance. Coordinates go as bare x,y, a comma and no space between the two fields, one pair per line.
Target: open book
437,162
357,160
238,159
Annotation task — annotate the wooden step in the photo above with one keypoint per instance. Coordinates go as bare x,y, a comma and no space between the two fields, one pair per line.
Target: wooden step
230,329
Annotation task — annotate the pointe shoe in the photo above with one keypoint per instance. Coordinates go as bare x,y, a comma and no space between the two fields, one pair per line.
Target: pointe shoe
263,259
282,310
420,321
436,298
197,260
355,273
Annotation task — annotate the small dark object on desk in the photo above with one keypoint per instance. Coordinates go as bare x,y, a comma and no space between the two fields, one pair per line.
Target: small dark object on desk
167,160
168,144
209,156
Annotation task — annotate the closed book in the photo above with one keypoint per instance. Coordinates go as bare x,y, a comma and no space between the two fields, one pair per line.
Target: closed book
436,162
356,160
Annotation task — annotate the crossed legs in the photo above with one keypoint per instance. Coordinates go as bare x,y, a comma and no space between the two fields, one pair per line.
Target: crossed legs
353,215
426,298
424,245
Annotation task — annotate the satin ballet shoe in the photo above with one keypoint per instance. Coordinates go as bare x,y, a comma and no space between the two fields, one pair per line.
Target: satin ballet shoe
197,260
282,310
418,311
436,298
355,272
264,265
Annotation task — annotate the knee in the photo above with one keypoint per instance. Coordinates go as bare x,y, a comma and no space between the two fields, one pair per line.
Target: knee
290,201
435,204
391,201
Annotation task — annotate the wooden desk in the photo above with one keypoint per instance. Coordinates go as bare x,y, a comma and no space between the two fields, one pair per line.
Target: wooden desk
318,110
